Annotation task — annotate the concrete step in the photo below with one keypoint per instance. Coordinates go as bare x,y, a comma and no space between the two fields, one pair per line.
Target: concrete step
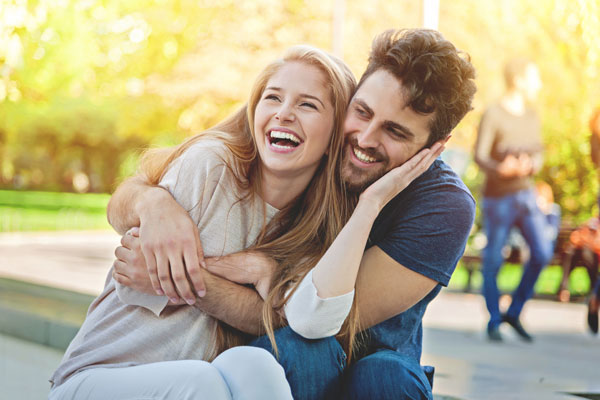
41,314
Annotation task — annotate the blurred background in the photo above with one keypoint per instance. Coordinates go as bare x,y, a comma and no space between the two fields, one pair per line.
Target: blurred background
87,85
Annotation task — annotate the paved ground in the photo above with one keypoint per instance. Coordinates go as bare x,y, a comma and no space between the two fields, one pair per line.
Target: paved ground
563,359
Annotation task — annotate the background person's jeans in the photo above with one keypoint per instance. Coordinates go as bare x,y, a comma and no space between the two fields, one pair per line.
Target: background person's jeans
500,215
315,370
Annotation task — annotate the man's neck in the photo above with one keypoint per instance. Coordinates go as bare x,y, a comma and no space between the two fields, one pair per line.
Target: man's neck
514,103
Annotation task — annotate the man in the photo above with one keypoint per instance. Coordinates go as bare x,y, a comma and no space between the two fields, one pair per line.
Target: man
509,151
415,90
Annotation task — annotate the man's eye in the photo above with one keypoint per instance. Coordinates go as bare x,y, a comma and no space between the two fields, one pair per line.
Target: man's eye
397,134
361,112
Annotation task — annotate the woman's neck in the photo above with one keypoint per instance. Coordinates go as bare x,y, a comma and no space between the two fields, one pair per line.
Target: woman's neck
278,191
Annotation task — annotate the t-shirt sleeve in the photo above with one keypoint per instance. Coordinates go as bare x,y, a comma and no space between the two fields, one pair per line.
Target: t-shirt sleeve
191,179
429,231
313,317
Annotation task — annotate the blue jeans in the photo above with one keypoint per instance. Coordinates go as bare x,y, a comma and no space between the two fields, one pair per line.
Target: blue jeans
316,369
500,215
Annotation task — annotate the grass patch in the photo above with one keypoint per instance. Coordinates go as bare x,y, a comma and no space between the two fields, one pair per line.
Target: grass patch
51,211
510,276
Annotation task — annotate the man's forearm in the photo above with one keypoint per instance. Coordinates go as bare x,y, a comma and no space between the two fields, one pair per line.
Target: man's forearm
234,304
122,210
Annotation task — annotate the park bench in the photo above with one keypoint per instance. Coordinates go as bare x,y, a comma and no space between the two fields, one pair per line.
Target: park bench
565,255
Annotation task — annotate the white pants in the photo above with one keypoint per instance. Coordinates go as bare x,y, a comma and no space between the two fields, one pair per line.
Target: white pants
247,373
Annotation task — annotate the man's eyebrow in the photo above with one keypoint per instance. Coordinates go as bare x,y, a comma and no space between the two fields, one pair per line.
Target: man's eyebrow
364,105
387,123
308,96
396,126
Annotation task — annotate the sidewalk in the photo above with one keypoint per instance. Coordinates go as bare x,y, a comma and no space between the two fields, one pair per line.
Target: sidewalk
563,359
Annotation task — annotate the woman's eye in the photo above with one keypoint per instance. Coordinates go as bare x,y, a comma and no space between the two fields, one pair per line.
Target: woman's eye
271,97
310,105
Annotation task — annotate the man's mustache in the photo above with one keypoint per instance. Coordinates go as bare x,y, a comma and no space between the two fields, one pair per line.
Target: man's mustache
369,152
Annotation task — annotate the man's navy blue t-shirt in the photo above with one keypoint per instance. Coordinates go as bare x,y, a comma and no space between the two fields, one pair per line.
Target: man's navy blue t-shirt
425,228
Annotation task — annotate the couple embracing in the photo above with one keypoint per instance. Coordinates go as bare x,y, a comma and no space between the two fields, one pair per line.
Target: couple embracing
291,250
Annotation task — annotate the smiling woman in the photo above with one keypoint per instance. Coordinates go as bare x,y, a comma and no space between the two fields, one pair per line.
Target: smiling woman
241,189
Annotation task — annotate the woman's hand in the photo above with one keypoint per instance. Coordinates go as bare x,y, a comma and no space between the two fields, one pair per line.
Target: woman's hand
246,267
396,180
129,268
171,247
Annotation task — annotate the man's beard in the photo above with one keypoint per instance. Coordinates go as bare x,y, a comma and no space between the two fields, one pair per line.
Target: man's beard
357,179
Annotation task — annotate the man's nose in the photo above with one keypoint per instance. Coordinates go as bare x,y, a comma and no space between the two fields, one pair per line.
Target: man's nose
369,137
285,113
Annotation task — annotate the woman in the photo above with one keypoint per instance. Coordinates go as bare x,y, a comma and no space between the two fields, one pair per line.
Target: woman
294,118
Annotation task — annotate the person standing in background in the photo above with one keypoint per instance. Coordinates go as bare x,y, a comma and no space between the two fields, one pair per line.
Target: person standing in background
594,303
509,151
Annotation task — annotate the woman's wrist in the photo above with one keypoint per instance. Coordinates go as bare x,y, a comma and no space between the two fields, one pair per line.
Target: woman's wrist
368,208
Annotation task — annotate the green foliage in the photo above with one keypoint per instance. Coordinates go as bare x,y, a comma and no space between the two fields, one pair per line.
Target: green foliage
44,211
85,85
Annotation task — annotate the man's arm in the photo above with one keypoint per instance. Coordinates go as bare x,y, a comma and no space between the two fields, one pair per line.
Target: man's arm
125,205
386,288
170,237
237,305
234,304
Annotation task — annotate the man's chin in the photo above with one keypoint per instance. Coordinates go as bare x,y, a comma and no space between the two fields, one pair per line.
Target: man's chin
356,180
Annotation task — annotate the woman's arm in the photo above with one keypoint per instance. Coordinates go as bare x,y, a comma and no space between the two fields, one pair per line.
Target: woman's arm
319,308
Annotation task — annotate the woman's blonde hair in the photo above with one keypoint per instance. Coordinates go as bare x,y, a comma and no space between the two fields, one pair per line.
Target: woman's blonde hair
302,231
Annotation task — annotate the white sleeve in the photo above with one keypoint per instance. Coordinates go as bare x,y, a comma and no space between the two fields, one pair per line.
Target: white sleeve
132,297
313,317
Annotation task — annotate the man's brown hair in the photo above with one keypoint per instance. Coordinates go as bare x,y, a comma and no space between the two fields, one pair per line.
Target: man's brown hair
435,76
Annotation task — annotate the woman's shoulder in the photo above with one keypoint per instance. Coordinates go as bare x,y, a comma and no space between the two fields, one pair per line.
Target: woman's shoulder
208,149
210,153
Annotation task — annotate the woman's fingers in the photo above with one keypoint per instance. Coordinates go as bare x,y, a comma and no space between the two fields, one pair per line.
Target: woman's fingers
122,279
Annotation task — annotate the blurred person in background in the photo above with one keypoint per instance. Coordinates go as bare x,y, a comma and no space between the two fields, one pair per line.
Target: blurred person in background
509,151
594,303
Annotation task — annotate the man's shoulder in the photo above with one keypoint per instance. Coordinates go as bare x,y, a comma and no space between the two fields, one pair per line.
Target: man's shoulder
425,228
437,186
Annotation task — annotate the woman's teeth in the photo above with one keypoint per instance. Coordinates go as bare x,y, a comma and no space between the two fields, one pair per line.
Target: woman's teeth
362,156
284,136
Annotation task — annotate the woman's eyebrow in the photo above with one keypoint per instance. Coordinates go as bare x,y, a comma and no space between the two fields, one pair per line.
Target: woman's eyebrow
308,96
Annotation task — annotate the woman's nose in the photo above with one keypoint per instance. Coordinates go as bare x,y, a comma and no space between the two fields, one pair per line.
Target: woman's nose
285,114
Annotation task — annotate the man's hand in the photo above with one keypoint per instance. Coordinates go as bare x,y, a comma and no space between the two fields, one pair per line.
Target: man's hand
171,246
246,267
